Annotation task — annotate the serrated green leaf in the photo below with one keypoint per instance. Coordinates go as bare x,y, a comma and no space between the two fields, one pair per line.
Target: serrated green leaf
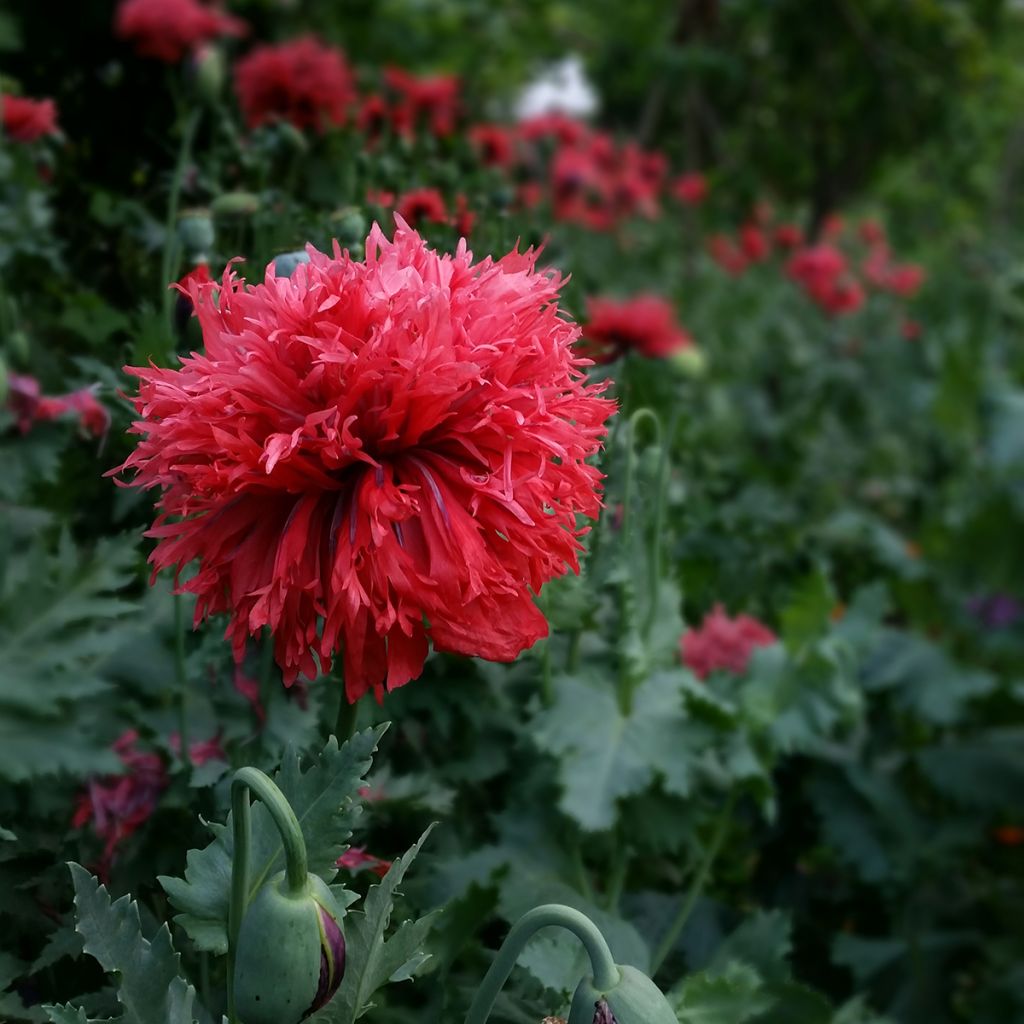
729,995
324,797
604,755
372,959
150,987
67,1014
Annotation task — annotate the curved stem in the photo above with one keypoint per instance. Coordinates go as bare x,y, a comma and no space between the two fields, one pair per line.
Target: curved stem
252,780
173,202
181,671
700,880
606,974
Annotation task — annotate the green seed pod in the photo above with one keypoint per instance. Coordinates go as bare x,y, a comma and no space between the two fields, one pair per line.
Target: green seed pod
209,72
349,225
235,204
287,262
290,955
634,1000
690,361
195,231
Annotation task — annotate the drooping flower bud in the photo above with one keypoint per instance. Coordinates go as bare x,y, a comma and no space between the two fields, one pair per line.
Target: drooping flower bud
634,1000
291,953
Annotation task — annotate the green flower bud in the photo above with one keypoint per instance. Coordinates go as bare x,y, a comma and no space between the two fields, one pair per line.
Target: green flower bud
209,73
235,204
634,1000
690,361
350,225
195,231
17,342
290,956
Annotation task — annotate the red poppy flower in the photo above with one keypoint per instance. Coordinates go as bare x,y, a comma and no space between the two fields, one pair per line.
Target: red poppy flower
23,394
911,330
422,206
645,324
754,243
464,219
567,131
789,236
355,858
302,81
373,116
170,29
872,232
30,406
371,454
117,805
727,254
26,120
1009,835
691,189
431,100
723,643
494,143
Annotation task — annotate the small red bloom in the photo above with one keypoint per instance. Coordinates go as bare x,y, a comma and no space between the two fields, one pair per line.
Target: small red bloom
30,406
302,81
723,643
789,236
372,453
422,206
833,226
822,271
373,116
23,395
380,197
117,805
431,100
645,324
1009,835
464,219
727,254
26,120
905,280
567,131
872,232
494,143
911,330
691,189
355,858
199,751
169,29
754,243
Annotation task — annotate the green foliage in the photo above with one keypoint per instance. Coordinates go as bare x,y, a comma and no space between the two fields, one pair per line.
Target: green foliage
324,796
150,987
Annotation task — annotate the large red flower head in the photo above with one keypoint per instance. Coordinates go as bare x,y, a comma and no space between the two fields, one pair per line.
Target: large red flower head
170,29
26,120
302,81
372,453
495,143
421,206
690,189
645,324
722,643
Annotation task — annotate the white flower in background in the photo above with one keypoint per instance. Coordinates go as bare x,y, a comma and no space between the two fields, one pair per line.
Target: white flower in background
563,88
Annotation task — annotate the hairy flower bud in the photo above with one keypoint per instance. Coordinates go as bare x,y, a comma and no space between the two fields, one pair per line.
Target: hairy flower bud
634,1000
291,953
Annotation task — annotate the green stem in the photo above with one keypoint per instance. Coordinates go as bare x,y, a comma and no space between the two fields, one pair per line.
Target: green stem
582,878
605,973
547,686
660,500
620,868
246,781
182,673
700,880
174,201
348,716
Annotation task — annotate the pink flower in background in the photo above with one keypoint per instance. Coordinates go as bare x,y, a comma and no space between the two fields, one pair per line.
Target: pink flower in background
30,406
645,324
691,189
117,805
721,643
199,751
304,81
26,120
355,858
422,206
168,30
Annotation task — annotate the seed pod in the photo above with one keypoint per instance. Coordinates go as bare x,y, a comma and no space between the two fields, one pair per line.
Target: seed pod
290,957
634,1000
195,230
235,204
285,264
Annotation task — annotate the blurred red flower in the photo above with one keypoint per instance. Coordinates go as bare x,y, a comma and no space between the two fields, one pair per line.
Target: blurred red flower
304,81
823,272
169,29
567,131
727,254
494,143
464,219
30,406
371,454
373,116
431,101
754,242
723,643
117,805
422,206
26,120
355,858
691,188
645,324
789,236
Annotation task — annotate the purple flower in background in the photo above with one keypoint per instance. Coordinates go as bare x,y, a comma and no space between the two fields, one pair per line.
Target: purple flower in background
996,611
